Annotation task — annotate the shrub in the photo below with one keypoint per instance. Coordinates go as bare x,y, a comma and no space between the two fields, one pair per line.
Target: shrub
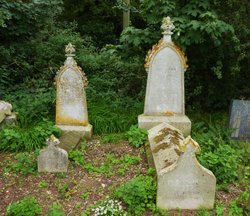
15,139
26,207
138,194
223,162
136,136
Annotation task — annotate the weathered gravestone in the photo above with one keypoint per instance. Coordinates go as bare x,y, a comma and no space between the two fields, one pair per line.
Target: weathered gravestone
6,116
164,101
71,105
182,183
5,110
53,159
240,119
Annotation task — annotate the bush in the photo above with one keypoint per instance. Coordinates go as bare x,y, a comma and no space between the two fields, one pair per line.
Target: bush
137,136
14,138
219,152
26,207
138,194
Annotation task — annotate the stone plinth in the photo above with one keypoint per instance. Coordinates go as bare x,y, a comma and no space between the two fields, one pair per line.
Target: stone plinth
72,135
186,184
181,122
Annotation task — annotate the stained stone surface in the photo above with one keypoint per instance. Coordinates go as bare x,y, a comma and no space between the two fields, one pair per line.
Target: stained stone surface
165,85
164,100
182,183
71,103
186,184
53,159
181,122
164,143
5,110
72,135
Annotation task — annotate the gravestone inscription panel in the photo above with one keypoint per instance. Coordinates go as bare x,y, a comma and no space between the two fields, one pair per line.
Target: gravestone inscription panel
165,91
71,99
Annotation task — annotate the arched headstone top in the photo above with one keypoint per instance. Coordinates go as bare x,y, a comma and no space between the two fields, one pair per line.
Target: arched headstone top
71,65
166,42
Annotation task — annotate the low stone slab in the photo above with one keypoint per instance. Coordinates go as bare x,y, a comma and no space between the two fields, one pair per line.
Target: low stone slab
179,121
186,184
53,159
5,110
72,135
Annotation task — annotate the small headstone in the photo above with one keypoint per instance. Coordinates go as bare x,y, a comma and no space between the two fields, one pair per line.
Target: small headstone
164,101
71,104
53,159
186,184
240,119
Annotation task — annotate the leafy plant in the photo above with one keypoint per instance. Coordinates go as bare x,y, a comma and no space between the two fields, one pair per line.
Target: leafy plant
42,184
84,195
138,194
25,163
77,157
27,206
55,210
136,136
112,138
14,138
234,209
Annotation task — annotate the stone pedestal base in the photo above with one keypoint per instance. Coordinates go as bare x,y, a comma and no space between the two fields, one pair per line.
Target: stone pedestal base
181,122
72,135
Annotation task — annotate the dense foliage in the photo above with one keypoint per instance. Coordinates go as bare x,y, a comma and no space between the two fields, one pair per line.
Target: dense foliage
214,35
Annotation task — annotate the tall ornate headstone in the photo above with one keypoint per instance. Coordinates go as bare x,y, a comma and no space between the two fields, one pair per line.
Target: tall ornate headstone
71,105
164,101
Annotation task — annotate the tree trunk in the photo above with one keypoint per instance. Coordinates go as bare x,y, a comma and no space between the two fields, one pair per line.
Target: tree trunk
126,16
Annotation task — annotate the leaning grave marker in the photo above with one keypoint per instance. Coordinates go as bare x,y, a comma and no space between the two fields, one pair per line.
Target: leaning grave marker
182,183
164,101
71,105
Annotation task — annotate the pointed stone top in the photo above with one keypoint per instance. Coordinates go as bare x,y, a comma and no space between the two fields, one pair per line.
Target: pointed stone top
70,49
189,141
52,141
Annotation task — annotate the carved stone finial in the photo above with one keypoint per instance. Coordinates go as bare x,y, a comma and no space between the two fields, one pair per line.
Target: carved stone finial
52,141
70,49
167,26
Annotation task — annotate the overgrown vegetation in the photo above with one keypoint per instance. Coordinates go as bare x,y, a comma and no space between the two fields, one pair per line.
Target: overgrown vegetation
215,37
